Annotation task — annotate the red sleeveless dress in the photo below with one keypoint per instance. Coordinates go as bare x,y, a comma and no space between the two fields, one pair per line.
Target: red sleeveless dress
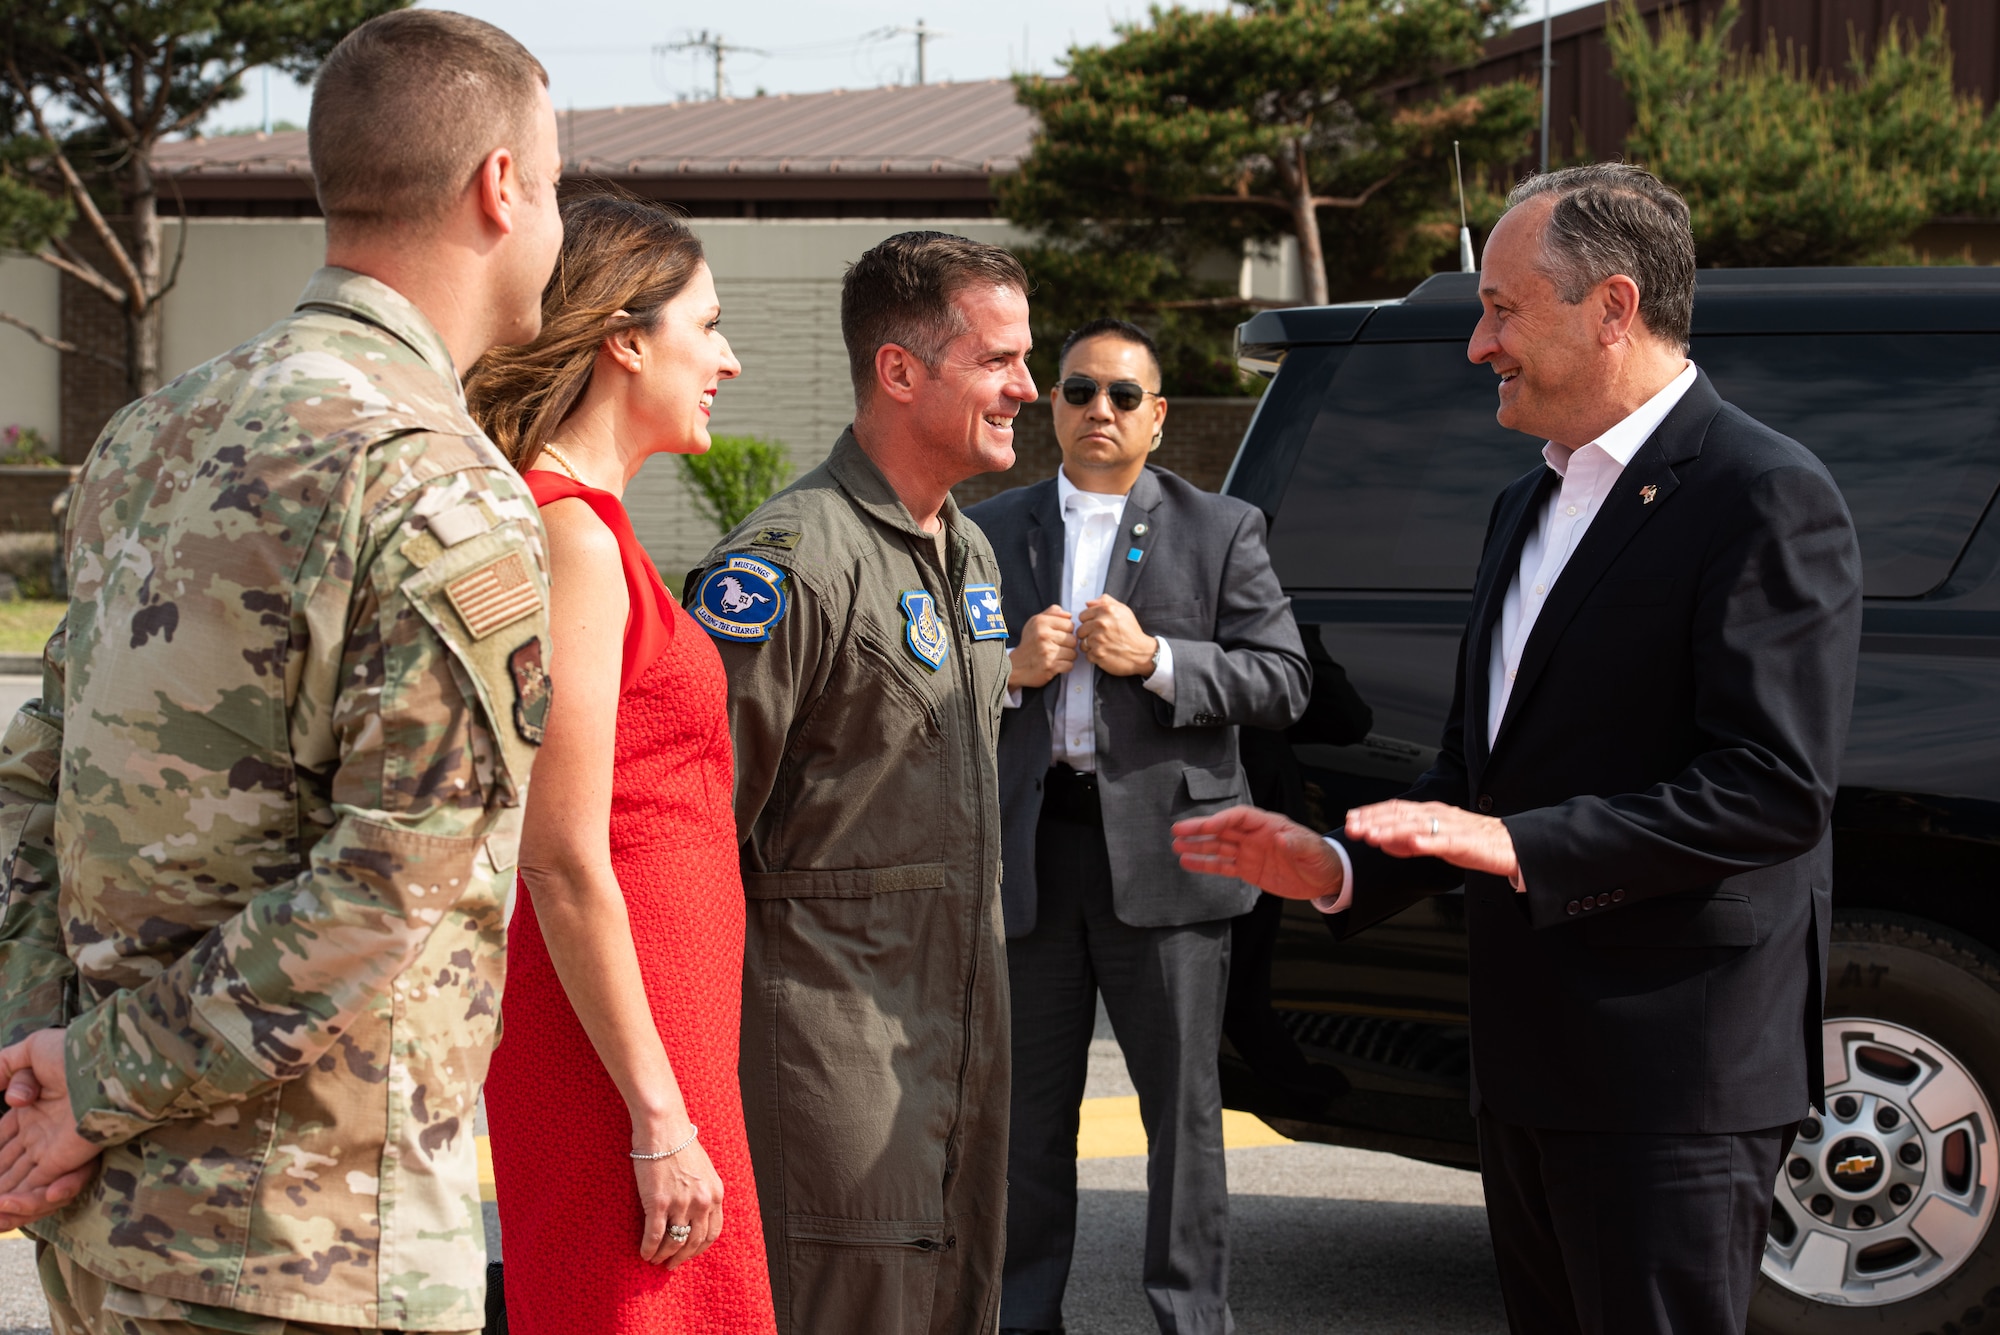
569,1213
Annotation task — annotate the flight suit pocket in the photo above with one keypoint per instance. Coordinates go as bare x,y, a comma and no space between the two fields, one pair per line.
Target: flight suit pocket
849,1275
487,601
846,883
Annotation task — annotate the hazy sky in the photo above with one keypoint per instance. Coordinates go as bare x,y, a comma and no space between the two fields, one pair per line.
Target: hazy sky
610,52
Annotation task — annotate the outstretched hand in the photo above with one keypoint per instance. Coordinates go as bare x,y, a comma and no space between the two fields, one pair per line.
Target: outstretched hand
44,1163
1437,830
1261,847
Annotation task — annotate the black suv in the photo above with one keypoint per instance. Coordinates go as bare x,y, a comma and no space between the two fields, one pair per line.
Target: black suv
1376,457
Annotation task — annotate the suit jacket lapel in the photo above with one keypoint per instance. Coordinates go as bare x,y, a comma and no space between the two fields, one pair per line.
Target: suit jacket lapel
1140,510
1045,545
1517,519
1643,489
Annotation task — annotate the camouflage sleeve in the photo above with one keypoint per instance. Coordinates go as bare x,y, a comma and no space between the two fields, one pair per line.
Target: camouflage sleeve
424,677
37,980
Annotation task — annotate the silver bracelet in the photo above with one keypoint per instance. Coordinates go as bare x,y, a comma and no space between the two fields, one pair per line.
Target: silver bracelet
693,1132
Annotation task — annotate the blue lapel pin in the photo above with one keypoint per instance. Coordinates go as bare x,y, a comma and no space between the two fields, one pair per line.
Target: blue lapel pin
1134,554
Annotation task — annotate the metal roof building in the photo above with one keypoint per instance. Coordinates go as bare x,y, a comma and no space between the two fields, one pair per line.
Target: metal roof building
926,151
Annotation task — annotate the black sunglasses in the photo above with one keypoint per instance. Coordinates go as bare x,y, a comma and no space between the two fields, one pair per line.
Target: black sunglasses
1126,395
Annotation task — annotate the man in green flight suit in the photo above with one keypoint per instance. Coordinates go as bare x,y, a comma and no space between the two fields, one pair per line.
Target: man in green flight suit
259,831
857,615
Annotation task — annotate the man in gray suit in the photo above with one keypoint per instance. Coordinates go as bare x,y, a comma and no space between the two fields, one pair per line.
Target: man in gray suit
1150,627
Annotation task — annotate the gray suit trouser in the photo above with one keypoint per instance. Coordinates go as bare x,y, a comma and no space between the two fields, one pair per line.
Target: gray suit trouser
1164,988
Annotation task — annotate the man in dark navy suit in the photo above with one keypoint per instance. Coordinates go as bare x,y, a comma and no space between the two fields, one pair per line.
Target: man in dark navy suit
1634,784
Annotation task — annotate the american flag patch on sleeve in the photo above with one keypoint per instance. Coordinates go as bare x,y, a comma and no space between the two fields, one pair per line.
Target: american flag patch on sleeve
494,596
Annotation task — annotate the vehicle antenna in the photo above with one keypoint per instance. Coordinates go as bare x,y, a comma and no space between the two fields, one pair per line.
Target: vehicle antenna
1465,261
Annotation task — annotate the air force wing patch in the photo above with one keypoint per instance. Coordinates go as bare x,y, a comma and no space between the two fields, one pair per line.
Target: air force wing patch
741,599
982,612
924,630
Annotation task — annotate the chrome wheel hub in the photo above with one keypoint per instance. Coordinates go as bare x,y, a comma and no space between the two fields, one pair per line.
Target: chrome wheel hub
1887,1194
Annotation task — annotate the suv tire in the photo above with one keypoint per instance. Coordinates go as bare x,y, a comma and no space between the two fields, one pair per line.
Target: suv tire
1928,1072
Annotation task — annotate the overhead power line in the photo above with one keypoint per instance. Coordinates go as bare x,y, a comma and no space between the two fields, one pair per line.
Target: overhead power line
718,51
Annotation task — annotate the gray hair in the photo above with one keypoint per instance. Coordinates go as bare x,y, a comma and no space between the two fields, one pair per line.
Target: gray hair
1614,218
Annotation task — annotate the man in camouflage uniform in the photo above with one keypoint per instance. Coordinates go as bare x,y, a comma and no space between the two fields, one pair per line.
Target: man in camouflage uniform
866,675
260,828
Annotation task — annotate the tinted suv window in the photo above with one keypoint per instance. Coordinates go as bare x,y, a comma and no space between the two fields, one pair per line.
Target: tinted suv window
1908,424
1397,478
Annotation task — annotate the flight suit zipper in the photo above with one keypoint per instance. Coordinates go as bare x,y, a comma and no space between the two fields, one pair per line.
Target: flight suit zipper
968,691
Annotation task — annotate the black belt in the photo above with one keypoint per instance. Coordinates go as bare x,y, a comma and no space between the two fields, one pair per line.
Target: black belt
1071,795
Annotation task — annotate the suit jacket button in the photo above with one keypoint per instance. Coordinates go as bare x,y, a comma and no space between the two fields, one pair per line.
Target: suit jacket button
1574,908
1617,896
1485,802
1589,903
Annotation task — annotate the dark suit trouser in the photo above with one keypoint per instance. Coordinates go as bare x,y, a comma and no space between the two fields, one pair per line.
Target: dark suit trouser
1164,988
1633,1233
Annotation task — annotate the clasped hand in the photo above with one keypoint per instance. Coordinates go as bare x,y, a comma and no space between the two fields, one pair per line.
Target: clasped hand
44,1163
1288,860
1107,634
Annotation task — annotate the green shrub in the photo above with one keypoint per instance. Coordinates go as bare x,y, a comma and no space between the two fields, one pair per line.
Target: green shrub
30,559
738,474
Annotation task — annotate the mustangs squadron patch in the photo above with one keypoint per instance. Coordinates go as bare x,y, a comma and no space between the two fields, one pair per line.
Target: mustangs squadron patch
982,612
923,629
741,599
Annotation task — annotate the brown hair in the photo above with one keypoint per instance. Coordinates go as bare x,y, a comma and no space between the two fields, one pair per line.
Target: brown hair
901,291
618,254
1612,218
407,107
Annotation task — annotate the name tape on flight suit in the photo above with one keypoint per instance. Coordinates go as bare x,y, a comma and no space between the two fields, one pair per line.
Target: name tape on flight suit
982,612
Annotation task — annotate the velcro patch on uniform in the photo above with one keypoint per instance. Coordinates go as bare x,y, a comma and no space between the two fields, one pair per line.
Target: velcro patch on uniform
982,612
776,537
455,525
494,596
741,599
531,691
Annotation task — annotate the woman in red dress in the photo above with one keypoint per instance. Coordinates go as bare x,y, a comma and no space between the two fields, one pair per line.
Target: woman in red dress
625,953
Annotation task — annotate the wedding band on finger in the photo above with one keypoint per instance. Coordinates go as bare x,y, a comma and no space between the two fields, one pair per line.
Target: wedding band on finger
1434,827
681,1232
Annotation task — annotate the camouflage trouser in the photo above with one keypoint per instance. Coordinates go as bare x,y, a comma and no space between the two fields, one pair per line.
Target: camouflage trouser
82,1304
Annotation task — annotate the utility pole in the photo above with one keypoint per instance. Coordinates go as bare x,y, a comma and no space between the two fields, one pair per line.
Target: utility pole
1547,66
923,32
717,50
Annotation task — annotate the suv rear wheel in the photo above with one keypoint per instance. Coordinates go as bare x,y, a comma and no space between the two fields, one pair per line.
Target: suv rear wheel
1883,1210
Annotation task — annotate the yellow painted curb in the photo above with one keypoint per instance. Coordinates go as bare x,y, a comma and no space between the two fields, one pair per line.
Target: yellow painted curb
1107,1129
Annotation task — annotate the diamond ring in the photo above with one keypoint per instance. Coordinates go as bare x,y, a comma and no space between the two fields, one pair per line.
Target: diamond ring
681,1232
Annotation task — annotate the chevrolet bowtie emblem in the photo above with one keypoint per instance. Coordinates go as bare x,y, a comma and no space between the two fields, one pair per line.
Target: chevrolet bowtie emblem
1647,493
1854,1165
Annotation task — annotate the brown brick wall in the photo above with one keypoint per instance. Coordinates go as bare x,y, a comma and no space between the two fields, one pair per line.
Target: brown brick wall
1200,444
91,391
26,495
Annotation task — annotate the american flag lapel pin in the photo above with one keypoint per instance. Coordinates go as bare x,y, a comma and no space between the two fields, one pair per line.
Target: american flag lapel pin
1648,492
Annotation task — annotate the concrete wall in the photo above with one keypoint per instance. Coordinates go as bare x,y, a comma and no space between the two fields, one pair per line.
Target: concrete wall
779,281
30,374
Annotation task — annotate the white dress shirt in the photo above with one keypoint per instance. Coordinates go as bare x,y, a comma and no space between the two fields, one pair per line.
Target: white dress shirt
1588,473
1090,533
